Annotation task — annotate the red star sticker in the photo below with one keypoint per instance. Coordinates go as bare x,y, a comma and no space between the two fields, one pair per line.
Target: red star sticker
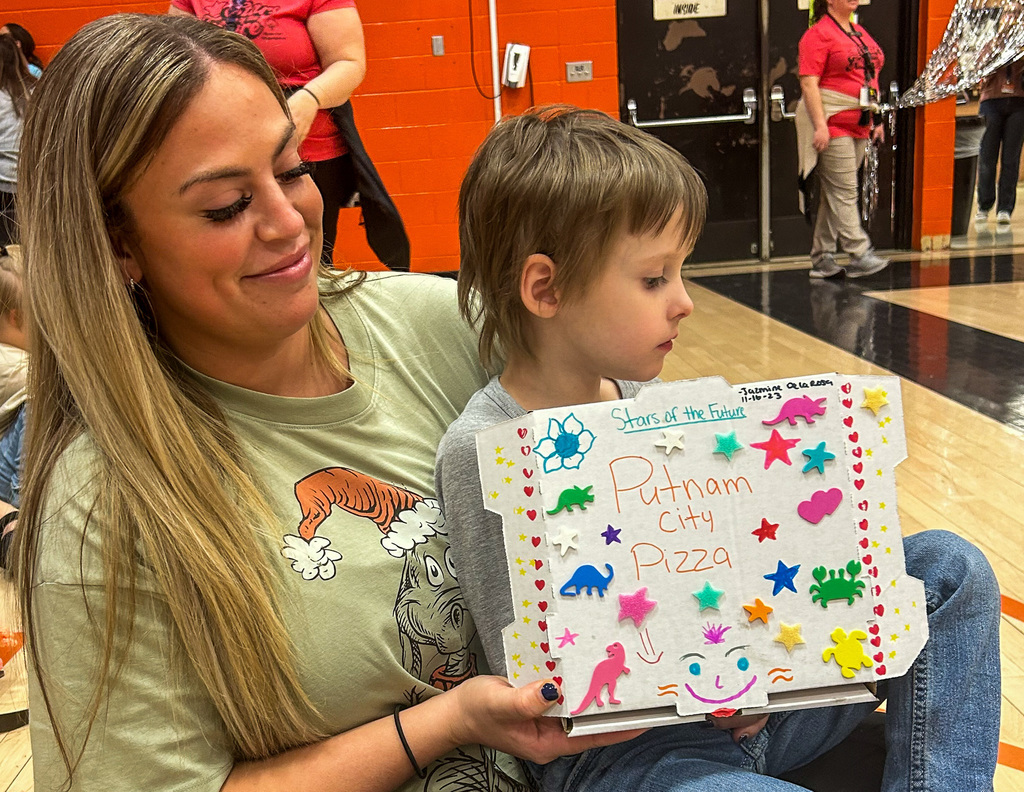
766,531
775,447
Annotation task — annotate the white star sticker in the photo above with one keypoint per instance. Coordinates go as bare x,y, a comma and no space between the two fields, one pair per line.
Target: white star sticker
566,540
670,441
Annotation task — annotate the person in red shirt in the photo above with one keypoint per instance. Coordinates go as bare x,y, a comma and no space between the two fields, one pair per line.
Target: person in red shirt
839,66
315,48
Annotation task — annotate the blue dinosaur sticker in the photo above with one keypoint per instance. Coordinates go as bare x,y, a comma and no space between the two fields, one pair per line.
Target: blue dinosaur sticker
587,577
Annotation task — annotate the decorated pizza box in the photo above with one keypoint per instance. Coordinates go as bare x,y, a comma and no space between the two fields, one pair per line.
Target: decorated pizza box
706,548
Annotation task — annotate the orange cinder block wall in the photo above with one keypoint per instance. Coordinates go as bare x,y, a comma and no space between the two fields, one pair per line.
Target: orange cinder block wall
935,133
421,117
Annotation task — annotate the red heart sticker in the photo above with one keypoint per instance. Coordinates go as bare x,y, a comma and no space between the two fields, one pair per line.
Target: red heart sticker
544,647
543,626
854,437
522,433
867,557
558,681
863,525
528,472
863,505
859,484
848,421
857,452
876,641
874,574
873,629
550,664
879,610
858,467
878,657
537,563
528,491
539,584
525,450
864,543
877,590
535,539
532,514
846,388
880,670
542,605
847,403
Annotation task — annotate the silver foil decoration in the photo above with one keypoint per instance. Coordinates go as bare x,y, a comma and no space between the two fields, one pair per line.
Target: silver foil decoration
869,183
982,37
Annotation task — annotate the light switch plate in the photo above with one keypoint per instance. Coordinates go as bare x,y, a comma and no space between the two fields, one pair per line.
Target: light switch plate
579,71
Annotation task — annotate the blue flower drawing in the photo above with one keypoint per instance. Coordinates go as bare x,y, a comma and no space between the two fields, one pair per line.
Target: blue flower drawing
566,444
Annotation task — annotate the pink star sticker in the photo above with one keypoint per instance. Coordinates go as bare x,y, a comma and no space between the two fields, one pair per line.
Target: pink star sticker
567,638
775,447
635,606
766,531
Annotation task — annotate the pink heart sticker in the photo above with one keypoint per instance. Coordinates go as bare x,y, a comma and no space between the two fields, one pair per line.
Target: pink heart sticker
821,504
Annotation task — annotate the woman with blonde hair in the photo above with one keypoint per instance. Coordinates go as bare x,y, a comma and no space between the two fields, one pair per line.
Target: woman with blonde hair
234,573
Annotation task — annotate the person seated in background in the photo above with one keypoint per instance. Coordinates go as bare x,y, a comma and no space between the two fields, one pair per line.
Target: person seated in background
27,45
13,370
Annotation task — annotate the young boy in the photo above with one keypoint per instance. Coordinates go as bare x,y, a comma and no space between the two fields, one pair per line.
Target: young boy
573,230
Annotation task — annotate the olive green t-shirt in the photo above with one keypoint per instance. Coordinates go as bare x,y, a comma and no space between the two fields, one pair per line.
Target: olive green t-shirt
369,591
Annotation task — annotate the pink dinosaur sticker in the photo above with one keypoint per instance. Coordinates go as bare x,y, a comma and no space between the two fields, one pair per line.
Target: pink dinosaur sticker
821,505
606,674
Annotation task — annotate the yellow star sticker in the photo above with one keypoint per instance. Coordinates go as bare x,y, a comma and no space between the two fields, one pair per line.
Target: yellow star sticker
526,603
874,399
519,510
879,471
515,635
896,611
499,461
892,654
519,561
515,675
881,504
888,551
869,453
884,528
906,627
789,635
494,496
520,663
526,619
536,669
885,440
499,450
510,463
533,644
522,572
522,537
508,479
874,543
895,637
516,656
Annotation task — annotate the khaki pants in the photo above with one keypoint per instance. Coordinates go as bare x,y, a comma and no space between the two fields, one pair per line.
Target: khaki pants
838,213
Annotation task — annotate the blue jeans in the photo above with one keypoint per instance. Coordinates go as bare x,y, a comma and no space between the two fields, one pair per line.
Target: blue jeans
10,459
941,725
1004,126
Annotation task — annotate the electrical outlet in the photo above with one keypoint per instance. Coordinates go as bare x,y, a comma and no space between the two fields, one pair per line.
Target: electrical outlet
579,71
437,45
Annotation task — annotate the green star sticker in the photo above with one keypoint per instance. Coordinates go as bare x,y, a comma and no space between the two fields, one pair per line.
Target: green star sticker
708,597
727,444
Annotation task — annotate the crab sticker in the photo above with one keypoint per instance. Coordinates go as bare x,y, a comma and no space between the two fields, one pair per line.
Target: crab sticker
836,588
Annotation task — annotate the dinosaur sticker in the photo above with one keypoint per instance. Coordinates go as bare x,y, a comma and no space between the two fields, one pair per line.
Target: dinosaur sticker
574,496
802,407
587,577
606,675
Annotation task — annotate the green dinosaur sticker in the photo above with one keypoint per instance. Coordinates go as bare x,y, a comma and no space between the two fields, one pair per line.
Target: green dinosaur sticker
574,496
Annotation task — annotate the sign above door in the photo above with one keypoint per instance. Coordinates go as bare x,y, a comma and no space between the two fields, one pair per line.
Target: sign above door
688,9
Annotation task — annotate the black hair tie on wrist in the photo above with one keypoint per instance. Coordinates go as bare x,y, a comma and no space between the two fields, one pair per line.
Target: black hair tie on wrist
405,744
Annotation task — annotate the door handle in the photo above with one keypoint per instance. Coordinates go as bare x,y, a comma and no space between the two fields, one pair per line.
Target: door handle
747,116
778,100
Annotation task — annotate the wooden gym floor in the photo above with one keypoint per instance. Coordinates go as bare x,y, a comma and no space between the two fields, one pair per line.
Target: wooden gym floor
949,325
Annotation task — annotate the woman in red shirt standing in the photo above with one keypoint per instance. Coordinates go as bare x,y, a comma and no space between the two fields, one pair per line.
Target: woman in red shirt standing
839,66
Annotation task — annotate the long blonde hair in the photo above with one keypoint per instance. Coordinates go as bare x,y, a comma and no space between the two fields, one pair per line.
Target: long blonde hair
172,476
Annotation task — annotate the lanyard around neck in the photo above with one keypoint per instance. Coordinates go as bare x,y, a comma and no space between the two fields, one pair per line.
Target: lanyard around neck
858,39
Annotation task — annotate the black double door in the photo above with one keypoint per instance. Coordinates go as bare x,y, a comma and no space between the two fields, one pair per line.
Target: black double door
702,69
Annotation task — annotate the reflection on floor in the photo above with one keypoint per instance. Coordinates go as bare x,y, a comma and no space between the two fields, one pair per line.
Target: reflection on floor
979,369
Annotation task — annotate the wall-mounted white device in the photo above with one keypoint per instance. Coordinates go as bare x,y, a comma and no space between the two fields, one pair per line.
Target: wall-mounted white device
517,57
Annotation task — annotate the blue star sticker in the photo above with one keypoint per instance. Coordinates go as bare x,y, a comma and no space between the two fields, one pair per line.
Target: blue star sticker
708,597
727,444
612,535
783,578
817,457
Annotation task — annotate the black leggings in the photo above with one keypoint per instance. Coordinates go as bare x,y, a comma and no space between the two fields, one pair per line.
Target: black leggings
335,179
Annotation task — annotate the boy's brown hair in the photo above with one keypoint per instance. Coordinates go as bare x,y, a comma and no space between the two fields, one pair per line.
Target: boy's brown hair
566,183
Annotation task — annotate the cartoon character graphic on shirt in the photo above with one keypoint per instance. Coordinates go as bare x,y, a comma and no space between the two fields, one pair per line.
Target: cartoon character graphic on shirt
430,609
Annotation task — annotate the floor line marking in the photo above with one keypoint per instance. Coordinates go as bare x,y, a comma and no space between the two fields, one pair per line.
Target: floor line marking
1011,756
1012,607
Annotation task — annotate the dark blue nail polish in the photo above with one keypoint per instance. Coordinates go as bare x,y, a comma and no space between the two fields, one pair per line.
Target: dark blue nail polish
549,691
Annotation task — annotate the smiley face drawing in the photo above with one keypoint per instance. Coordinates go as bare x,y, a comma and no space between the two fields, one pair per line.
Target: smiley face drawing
720,676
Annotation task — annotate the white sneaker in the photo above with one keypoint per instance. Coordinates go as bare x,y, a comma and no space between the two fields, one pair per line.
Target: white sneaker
1003,218
981,218
868,264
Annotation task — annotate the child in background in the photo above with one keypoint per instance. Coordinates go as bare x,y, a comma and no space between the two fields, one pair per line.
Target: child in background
573,230
13,370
